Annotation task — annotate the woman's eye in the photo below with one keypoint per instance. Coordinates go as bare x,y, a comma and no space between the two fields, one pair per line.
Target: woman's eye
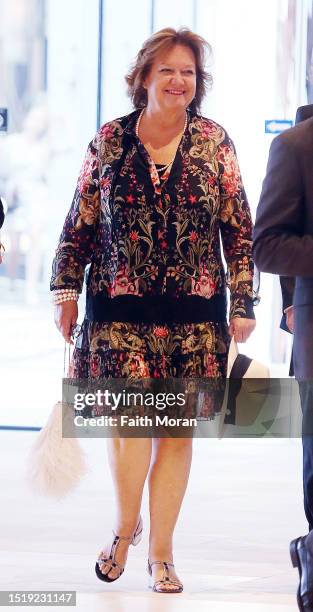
187,72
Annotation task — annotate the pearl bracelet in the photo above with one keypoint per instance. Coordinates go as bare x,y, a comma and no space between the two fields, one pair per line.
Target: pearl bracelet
64,295
57,291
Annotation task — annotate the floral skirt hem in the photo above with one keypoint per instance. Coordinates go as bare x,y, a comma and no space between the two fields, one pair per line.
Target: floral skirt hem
136,351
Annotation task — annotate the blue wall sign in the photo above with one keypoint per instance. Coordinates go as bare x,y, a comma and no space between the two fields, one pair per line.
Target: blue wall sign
277,126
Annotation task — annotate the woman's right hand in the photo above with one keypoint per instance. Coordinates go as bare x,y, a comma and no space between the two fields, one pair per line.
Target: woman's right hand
65,317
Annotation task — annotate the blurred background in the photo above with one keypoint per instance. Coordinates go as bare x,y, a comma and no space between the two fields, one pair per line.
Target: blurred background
62,67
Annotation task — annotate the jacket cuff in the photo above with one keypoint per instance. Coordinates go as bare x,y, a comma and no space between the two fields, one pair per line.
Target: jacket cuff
241,307
63,281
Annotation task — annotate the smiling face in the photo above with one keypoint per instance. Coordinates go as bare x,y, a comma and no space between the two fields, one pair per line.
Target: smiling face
171,82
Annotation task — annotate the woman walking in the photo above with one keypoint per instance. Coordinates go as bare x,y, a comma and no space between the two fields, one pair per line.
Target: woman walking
157,190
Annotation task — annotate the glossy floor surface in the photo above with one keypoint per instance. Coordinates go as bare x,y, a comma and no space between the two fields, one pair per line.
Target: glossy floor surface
242,507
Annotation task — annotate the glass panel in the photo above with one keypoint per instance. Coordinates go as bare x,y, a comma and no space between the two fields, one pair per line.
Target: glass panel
121,44
173,14
48,66
309,52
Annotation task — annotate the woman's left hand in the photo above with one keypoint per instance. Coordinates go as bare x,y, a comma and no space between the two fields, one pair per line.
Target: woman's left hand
241,329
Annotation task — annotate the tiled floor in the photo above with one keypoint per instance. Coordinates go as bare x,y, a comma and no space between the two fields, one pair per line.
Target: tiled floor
242,507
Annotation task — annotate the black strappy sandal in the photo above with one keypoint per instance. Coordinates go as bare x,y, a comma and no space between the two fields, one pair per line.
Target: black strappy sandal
110,561
156,586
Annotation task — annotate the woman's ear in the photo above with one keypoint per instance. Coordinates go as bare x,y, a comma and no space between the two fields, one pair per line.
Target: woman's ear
145,81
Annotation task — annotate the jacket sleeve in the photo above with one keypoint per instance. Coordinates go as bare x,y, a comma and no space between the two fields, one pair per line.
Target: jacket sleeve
1,214
280,246
77,240
236,232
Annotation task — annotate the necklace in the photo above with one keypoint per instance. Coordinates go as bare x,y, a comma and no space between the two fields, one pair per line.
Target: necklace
137,134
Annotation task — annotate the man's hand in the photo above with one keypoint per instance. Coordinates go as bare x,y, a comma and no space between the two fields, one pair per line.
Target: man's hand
289,318
65,317
241,328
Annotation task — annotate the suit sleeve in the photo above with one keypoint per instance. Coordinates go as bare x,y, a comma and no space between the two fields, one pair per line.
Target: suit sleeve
236,232
77,239
280,246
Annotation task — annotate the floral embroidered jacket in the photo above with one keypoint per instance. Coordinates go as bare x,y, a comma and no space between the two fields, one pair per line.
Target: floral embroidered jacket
155,245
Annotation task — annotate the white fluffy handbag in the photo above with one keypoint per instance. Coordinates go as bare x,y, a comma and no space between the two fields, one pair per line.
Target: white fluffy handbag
56,464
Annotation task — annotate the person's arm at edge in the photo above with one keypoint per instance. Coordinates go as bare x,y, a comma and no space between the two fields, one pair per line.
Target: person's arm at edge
1,213
279,246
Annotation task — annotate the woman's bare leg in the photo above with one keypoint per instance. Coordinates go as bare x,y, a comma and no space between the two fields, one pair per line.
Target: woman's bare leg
129,460
168,480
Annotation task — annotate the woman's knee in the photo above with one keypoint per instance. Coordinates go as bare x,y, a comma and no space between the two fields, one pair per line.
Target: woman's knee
128,445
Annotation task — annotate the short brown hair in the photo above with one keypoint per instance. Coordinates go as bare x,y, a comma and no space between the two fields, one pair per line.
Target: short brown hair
160,42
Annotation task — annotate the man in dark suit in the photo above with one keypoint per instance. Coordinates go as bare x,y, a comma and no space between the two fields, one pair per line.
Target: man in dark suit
288,282
283,244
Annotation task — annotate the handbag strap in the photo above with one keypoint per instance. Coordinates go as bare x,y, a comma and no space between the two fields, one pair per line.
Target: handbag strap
240,366
66,358
75,331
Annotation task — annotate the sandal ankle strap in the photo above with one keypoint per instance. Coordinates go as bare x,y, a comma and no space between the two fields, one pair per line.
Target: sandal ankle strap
121,537
165,564
161,562
135,533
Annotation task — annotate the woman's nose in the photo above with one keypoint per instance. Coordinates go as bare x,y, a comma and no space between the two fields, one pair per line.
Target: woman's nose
177,78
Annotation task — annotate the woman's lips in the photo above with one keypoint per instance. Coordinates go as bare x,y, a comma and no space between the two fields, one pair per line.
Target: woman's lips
174,92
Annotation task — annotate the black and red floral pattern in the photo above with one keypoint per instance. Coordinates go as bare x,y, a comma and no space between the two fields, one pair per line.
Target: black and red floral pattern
158,239
147,351
138,350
